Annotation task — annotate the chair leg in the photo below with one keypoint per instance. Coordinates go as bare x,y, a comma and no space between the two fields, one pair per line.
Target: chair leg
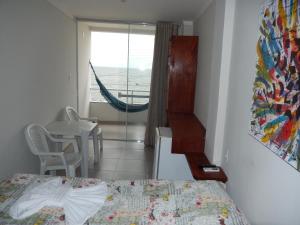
96,146
101,141
78,140
42,170
72,171
67,169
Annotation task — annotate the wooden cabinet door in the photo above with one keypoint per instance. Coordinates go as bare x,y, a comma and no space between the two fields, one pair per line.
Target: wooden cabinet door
182,74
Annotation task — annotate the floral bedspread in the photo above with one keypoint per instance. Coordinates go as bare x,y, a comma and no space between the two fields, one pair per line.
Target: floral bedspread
135,202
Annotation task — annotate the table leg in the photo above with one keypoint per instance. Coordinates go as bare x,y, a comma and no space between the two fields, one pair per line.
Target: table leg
85,153
58,146
96,145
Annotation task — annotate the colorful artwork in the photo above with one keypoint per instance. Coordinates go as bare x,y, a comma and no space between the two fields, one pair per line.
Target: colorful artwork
276,93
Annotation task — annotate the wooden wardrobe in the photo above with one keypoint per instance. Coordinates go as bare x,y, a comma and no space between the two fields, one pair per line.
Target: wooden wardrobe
188,133
182,74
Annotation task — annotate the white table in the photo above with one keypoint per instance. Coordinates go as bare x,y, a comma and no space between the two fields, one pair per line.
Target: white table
80,129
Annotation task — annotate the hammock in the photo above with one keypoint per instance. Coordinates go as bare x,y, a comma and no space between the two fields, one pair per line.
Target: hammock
114,102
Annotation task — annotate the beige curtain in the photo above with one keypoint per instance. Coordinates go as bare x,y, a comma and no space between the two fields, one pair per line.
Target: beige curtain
159,80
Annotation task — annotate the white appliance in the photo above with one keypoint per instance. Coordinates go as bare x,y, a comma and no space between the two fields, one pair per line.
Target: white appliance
168,165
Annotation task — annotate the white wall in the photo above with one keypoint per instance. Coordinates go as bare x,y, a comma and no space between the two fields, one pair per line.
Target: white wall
204,29
84,48
262,185
227,41
37,75
209,28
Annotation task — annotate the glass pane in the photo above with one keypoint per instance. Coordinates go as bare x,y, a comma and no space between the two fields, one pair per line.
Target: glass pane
109,56
141,45
122,58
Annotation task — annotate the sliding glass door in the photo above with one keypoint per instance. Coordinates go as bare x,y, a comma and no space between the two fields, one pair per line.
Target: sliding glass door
109,57
122,57
141,43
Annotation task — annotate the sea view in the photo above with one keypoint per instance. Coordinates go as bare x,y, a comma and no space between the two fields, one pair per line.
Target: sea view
115,80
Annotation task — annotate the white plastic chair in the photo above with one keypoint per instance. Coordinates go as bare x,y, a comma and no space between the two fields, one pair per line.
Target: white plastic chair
74,116
39,141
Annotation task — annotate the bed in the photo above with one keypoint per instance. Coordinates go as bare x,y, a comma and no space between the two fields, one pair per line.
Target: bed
135,202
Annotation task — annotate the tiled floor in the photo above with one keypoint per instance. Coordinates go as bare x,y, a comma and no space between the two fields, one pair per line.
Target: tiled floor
118,131
121,159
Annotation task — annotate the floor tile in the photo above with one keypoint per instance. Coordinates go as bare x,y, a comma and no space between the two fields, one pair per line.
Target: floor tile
132,154
113,144
109,155
126,175
108,164
136,132
111,131
135,146
132,165
121,159
113,151
106,175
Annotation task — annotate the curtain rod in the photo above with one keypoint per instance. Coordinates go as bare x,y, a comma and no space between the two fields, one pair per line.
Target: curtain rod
80,19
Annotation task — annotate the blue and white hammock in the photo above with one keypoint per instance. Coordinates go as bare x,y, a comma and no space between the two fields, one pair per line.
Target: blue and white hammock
116,103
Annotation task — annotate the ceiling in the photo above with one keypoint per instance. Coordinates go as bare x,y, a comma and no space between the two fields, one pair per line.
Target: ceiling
133,10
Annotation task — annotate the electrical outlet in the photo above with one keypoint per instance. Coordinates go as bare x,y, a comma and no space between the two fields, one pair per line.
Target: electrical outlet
69,76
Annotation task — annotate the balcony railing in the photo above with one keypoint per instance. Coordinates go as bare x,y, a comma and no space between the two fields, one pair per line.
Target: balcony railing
136,97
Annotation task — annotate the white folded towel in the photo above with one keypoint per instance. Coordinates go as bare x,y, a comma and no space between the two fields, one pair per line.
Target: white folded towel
79,204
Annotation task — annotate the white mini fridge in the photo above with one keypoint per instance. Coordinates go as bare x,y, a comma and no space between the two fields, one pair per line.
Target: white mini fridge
168,165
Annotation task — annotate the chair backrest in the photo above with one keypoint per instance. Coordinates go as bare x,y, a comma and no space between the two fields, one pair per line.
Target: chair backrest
36,137
72,114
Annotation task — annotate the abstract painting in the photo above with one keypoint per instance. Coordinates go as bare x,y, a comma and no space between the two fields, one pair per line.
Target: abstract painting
275,110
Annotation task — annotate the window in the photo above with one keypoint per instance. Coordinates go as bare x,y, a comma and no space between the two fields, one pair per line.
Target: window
123,63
